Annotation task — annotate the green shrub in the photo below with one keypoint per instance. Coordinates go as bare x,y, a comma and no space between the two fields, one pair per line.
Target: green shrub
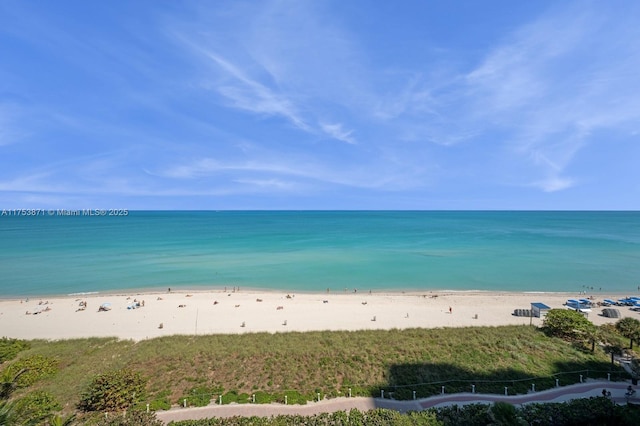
113,391
503,413
235,397
198,397
356,417
31,369
34,406
133,418
60,420
263,398
565,323
471,414
593,411
629,328
230,397
8,382
586,411
6,411
295,397
161,402
9,348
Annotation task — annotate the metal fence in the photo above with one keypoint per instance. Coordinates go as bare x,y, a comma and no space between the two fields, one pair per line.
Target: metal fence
409,391
501,387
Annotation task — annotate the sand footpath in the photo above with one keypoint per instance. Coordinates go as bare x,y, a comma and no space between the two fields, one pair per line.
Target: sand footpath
228,312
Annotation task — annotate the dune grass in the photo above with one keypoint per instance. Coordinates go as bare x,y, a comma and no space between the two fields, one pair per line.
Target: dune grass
300,365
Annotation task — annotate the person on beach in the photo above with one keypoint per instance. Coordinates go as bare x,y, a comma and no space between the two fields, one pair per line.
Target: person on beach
450,310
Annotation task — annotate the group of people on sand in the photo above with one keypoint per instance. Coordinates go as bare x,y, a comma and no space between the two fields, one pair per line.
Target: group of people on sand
39,310
47,309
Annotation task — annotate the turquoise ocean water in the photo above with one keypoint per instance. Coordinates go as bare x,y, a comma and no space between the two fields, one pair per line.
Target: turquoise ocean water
313,251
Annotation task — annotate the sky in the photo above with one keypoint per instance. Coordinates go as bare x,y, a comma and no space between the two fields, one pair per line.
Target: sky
320,104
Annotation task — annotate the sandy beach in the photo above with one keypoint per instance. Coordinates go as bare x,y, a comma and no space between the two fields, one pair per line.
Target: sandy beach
229,312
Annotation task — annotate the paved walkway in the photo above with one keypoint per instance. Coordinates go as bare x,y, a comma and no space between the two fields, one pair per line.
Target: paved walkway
582,390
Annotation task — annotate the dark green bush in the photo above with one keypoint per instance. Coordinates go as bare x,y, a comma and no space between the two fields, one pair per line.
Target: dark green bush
565,323
378,417
9,348
244,398
594,411
230,397
503,413
133,418
113,391
591,411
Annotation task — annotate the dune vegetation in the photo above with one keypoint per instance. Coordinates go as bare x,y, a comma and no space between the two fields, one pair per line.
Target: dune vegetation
267,367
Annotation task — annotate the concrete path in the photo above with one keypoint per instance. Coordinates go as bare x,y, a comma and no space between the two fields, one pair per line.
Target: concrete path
582,390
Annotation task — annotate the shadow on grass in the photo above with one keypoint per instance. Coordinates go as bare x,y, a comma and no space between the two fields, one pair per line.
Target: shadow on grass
423,380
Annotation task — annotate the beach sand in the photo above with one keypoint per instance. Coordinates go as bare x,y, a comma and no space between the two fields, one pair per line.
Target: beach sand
232,312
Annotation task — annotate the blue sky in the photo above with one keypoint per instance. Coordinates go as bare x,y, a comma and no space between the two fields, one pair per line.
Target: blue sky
320,104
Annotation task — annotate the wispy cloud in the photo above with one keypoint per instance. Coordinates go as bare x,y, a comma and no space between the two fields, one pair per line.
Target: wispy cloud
250,95
208,166
287,97
533,89
269,184
292,173
520,89
274,64
336,131
553,184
